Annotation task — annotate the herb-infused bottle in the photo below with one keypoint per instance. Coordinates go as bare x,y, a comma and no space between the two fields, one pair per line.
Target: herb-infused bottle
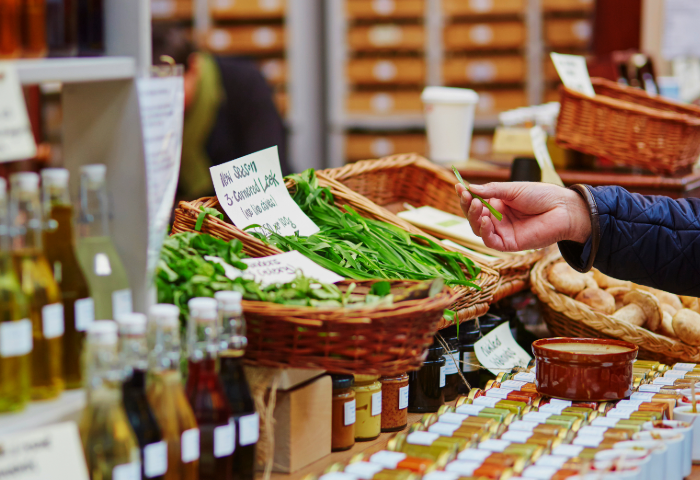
167,397
233,343
15,326
206,394
38,285
101,264
134,355
110,446
59,247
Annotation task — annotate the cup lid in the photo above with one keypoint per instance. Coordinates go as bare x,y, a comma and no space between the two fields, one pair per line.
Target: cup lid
449,95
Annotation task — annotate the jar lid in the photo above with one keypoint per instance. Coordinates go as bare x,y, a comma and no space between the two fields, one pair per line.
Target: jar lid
366,378
342,381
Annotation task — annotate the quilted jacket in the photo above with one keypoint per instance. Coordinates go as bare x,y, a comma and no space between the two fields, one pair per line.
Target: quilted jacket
650,240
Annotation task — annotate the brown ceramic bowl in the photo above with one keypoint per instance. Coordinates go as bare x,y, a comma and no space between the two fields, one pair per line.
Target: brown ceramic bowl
598,376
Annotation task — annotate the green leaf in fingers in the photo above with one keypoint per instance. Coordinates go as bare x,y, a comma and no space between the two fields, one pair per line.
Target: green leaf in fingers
494,212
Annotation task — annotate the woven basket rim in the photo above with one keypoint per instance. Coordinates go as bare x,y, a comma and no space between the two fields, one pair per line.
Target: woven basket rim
642,94
576,311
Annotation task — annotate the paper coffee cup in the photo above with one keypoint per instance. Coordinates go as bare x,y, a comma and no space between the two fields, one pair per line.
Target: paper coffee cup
449,119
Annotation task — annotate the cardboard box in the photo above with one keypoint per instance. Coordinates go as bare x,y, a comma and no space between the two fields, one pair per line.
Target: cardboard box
484,36
383,37
488,69
568,5
247,9
245,39
389,70
457,8
382,9
385,102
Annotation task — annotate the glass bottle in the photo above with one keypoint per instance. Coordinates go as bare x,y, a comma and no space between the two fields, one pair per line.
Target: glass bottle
134,358
206,394
101,264
34,28
38,285
90,27
167,397
425,386
469,334
59,248
15,326
110,446
62,27
10,28
452,378
233,342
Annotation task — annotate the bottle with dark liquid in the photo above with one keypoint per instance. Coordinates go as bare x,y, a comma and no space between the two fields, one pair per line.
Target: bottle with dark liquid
233,343
59,247
469,334
426,386
452,378
10,28
206,394
166,395
34,28
91,40
62,27
134,358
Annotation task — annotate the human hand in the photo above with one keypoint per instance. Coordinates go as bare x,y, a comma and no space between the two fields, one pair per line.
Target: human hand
535,215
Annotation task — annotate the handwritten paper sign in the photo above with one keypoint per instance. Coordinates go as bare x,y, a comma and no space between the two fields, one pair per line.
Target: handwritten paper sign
499,352
573,72
16,137
251,190
51,452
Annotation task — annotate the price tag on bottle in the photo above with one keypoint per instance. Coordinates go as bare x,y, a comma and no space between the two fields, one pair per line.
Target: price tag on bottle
485,402
622,412
128,471
189,445
556,461
349,416
388,459
442,377
155,459
537,471
472,409
650,388
450,364
248,429
16,138
498,393
469,362
684,366
422,438
512,385
643,396
363,470
16,338
675,374
121,303
592,430
494,445
376,404
552,408
52,320
84,313
523,426
224,439
558,401
403,397
588,441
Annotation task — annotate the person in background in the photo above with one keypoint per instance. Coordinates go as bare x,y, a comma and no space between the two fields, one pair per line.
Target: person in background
229,111
649,240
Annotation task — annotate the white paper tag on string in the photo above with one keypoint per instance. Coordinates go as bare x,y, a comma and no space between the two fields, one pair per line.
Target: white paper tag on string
499,352
285,267
252,192
573,71
16,137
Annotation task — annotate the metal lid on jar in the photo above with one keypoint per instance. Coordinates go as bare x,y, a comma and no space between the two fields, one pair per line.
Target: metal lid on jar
366,378
342,381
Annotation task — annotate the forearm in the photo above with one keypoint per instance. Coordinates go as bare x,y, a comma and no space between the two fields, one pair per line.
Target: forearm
650,240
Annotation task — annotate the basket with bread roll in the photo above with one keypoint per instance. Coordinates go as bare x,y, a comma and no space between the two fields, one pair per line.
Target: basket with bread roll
665,326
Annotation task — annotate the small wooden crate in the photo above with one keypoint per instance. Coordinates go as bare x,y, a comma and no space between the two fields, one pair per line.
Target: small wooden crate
386,37
359,146
245,39
247,9
484,36
388,70
459,8
385,102
489,69
384,9
568,32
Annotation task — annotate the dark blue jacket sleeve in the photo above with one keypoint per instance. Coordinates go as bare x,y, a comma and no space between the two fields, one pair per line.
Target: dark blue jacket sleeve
650,240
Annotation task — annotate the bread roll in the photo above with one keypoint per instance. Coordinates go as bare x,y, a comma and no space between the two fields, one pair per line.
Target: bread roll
666,327
669,309
566,280
599,300
631,313
686,325
669,299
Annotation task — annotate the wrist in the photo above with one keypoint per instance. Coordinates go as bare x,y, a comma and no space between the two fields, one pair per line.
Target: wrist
579,218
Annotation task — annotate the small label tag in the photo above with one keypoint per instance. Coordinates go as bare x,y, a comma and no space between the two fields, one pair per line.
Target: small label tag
569,451
493,445
684,366
248,429
538,417
128,471
675,374
376,404
588,441
422,438
629,403
498,393
573,71
121,303
463,467
442,377
523,426
224,440
605,422
592,430
403,397
84,313
453,418
643,396
469,362
516,436
512,385
450,365
15,338
499,352
388,459
525,377
622,412
349,412
189,445
444,429
486,401
474,455
553,408
363,470
556,401
52,320
470,409
155,459
539,472
650,388
664,381
556,461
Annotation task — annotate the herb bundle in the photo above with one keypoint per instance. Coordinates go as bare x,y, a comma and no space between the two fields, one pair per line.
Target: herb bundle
361,248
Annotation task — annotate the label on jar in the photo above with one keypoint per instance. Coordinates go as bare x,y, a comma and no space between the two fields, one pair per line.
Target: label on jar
539,472
349,416
444,429
664,381
684,366
569,451
128,471
403,397
376,404
52,320
629,403
422,438
388,459
486,401
441,475
84,313
512,385
155,459
363,470
592,430
248,429
516,436
450,365
588,441
121,303
225,440
537,417
469,409
525,377
189,445
469,362
556,461
622,412
643,396
442,377
605,422
650,388
452,418
463,467
498,393
474,454
494,445
552,408
556,401
675,374
15,338
521,425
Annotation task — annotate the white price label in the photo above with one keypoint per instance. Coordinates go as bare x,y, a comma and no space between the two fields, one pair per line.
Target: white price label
557,401
16,137
363,470
588,441
650,388
15,338
224,440
444,429
442,377
499,352
516,436
128,471
155,459
622,412
629,403
486,401
285,267
474,454
684,366
569,451
388,459
592,431
512,385
376,404
493,445
539,472
52,320
472,409
84,313
249,429
523,426
189,445
573,71
403,397
422,438
675,374
349,410
470,362
556,461
553,408
605,422
498,393
642,396
464,468
525,377
450,365
453,418
121,303
538,417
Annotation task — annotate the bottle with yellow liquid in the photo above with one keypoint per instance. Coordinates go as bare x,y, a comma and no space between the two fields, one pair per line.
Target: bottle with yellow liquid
167,396
109,444
15,326
38,285
59,247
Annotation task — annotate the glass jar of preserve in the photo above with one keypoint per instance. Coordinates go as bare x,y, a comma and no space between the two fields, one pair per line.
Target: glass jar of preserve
394,402
452,378
343,423
425,386
469,334
368,392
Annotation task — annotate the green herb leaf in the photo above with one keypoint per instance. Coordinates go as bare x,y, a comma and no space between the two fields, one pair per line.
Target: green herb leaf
494,212
381,289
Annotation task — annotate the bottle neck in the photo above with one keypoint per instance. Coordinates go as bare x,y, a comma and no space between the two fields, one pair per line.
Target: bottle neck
94,210
103,367
164,349
55,196
133,353
233,330
25,221
202,341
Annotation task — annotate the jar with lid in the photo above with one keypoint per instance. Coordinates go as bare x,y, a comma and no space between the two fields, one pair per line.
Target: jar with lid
343,415
487,323
368,393
469,334
394,402
452,378
425,386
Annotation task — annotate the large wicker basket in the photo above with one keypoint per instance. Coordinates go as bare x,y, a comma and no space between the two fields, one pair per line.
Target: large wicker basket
629,127
410,178
469,303
566,317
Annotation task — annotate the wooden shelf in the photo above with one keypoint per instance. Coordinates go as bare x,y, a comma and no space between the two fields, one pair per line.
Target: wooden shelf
66,407
75,70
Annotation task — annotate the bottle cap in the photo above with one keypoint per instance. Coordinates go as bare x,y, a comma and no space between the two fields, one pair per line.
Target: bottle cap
25,181
228,299
55,177
165,314
202,308
102,332
132,324
94,174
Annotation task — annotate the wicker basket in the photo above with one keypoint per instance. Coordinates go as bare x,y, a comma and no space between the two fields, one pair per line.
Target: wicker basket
410,178
470,302
629,127
566,317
